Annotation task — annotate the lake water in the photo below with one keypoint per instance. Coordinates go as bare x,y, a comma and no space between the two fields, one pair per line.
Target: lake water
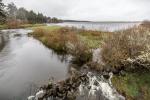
25,64
104,26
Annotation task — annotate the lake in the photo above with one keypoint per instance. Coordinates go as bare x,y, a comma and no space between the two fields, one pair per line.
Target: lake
104,26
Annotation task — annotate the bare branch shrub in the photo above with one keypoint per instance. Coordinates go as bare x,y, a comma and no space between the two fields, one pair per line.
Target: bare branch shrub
120,46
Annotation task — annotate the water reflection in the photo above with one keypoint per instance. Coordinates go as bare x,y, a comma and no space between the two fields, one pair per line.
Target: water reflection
26,64
3,40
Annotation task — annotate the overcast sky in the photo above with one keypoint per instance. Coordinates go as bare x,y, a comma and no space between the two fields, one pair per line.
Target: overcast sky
94,10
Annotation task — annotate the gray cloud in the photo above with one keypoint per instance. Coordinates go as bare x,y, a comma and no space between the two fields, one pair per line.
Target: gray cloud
96,10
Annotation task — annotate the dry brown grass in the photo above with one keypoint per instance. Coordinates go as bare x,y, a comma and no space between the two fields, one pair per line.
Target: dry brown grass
65,40
120,46
39,32
80,51
146,24
12,24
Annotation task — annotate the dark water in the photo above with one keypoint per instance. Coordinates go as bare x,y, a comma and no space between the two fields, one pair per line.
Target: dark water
104,26
25,64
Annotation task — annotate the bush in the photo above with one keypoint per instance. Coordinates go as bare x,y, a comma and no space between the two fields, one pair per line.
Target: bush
121,46
80,51
12,24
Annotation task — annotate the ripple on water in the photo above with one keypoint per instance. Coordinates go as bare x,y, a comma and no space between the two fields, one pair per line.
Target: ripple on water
25,64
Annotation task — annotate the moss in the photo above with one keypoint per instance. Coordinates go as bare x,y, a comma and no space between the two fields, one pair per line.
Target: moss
133,85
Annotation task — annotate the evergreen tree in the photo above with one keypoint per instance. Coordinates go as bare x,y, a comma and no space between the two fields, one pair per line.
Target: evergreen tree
22,14
12,11
2,12
2,9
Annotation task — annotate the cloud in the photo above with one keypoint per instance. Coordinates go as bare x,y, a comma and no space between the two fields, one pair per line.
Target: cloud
96,10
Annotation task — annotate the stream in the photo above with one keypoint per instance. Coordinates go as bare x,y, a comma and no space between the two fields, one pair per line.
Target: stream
25,64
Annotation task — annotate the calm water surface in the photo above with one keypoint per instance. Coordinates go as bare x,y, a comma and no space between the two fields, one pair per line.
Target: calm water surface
104,26
25,64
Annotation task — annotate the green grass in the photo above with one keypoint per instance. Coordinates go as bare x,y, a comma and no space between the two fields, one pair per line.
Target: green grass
93,39
3,27
134,85
47,28
30,26
91,42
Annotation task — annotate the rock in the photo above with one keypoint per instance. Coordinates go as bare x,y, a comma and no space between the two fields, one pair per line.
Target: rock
63,89
81,88
31,98
39,94
70,96
106,76
122,73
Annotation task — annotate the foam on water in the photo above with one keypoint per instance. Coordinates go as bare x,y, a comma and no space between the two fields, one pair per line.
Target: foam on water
100,89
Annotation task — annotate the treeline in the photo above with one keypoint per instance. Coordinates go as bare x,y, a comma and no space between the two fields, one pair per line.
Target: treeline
12,13
28,16
2,13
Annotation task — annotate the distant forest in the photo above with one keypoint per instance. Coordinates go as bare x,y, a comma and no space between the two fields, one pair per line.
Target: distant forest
10,12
